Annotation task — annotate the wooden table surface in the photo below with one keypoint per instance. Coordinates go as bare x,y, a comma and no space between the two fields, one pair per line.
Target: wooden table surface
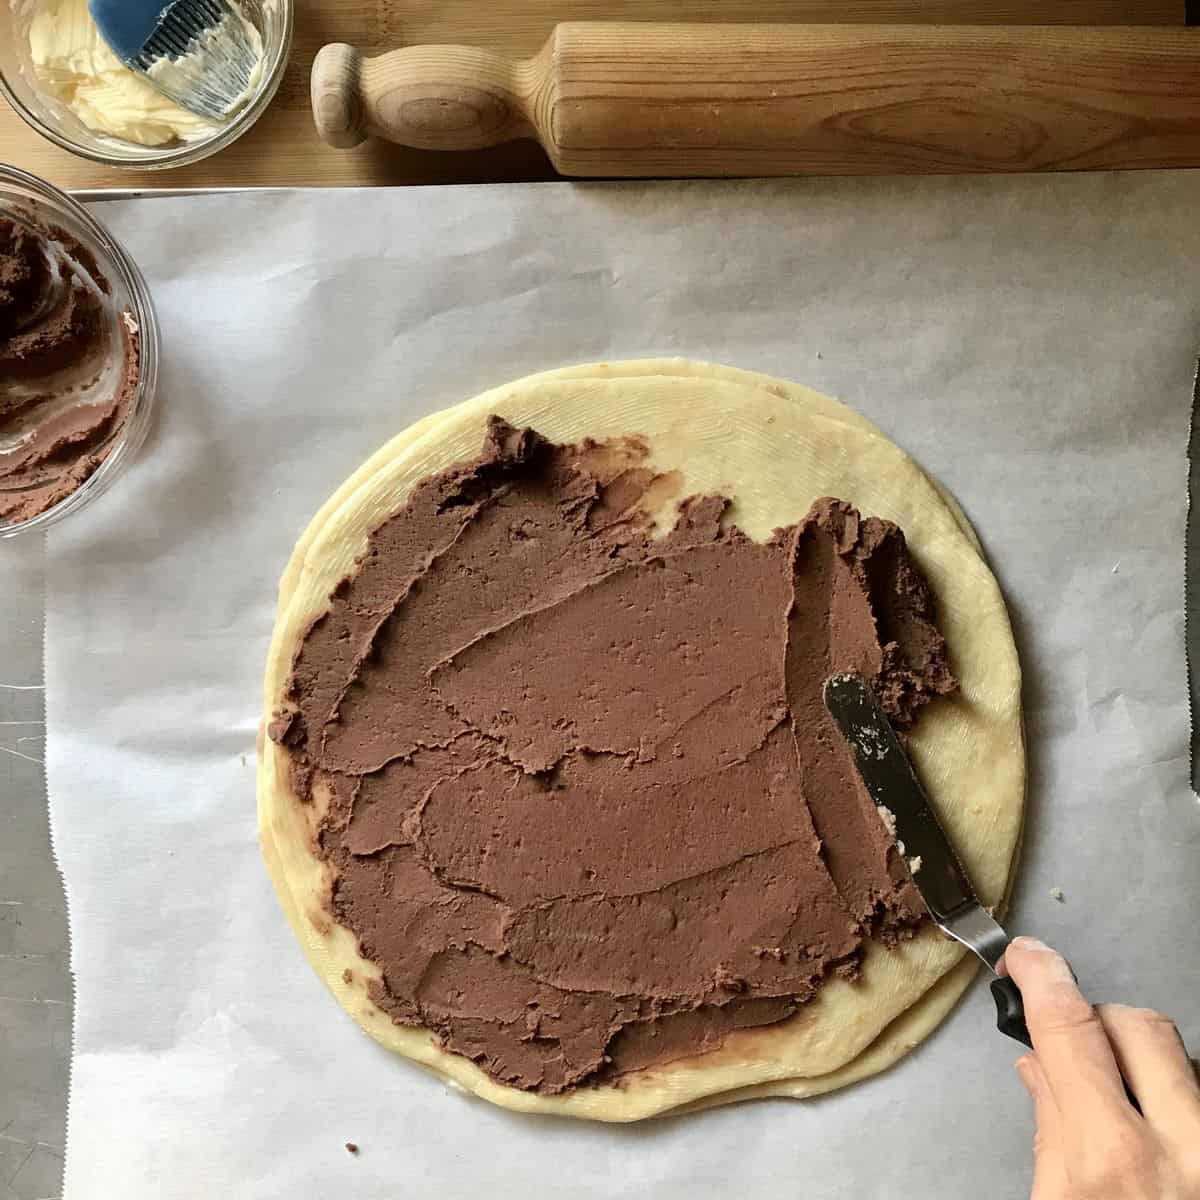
283,149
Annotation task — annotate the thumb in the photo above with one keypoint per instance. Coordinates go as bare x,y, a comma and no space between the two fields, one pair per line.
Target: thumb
1050,1181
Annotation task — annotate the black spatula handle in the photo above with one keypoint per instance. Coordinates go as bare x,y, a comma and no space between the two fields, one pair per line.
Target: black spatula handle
1010,1011
1010,1020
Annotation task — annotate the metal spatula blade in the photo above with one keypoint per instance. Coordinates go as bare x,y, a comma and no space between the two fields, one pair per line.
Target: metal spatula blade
199,53
936,871
892,783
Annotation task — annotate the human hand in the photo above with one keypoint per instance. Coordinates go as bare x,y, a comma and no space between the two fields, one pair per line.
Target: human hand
1091,1143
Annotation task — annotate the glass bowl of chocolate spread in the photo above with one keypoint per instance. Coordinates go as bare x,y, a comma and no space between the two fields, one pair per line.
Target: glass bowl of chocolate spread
79,350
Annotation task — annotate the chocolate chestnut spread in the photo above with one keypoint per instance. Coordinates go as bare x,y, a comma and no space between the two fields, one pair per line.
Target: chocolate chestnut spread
586,810
68,368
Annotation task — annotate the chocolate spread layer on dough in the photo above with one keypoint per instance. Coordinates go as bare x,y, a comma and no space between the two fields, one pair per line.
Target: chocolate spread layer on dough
586,810
69,368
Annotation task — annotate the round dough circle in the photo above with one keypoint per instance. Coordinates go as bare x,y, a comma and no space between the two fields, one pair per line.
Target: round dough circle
772,447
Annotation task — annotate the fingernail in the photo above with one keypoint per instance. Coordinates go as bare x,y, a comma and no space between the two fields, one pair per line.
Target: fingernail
1057,963
1030,943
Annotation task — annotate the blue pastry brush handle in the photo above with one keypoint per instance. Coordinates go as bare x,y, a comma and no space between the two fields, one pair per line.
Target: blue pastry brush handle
127,25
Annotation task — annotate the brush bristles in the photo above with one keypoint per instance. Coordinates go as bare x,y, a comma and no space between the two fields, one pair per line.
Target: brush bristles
210,88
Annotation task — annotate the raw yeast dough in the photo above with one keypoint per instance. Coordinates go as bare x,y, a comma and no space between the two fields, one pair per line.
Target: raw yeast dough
772,447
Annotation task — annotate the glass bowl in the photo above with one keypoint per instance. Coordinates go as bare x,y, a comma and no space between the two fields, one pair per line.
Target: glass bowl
55,121
28,198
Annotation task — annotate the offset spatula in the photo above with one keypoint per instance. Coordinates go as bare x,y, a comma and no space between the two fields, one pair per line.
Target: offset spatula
892,784
943,884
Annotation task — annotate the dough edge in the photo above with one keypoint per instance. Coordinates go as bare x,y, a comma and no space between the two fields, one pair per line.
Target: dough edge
696,409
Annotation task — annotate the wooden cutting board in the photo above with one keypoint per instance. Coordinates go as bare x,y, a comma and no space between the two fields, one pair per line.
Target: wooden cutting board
283,149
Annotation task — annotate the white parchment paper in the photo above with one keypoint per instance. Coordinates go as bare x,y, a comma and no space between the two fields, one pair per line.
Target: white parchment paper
1031,341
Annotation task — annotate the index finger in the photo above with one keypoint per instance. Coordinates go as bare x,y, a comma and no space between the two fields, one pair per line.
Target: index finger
1069,1040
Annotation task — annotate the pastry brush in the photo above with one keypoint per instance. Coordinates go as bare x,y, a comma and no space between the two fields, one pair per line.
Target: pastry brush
199,53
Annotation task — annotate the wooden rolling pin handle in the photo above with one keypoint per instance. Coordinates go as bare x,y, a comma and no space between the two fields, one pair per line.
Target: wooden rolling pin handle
610,99
337,110
430,97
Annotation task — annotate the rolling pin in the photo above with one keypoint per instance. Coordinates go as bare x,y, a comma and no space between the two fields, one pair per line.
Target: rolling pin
631,99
